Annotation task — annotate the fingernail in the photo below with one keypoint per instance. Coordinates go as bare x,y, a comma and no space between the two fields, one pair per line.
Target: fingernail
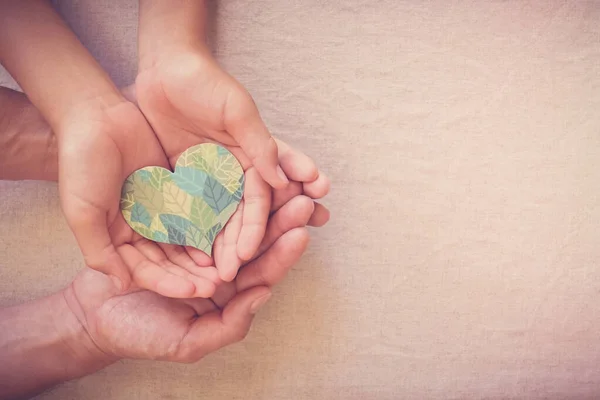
258,303
117,282
282,175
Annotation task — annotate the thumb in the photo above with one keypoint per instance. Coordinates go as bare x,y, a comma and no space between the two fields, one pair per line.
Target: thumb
244,124
218,329
96,245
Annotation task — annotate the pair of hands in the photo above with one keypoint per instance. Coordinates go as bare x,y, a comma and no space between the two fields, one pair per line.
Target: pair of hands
184,99
144,325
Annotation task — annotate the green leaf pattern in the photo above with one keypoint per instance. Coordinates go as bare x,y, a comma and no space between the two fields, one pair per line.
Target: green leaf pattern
158,177
139,214
190,206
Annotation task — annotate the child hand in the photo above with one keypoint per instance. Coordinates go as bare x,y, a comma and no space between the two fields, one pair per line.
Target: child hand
188,99
99,146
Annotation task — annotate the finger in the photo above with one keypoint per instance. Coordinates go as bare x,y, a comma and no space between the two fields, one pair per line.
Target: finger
272,266
317,189
243,122
296,165
320,216
200,306
294,214
282,196
199,257
99,253
178,256
224,293
227,260
301,168
218,247
204,287
257,202
148,275
212,331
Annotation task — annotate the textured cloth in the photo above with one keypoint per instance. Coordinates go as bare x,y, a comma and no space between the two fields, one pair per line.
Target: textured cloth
462,139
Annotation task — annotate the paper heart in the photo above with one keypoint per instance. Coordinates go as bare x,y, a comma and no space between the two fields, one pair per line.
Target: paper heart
190,206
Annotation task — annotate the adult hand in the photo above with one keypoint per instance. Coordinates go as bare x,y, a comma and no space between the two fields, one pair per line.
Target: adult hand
245,230
143,324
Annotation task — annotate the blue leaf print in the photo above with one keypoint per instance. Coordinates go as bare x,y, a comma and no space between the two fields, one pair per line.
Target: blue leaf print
216,196
175,221
190,179
213,232
145,175
176,236
140,214
159,236
176,228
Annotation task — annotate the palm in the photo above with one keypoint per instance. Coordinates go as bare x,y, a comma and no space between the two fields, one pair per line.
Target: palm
190,99
114,321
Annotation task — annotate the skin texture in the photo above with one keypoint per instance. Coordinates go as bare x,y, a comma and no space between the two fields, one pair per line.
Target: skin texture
27,143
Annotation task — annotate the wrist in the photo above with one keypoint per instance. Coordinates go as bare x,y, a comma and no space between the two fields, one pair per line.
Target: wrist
79,118
80,351
42,344
48,61
166,28
28,148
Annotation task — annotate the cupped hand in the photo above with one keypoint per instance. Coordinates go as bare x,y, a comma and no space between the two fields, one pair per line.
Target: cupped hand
243,235
188,99
99,146
144,325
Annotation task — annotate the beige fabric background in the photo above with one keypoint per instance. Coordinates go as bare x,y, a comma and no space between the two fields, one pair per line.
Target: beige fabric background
462,139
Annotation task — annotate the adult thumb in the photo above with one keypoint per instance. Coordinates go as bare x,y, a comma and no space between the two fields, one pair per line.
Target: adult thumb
219,329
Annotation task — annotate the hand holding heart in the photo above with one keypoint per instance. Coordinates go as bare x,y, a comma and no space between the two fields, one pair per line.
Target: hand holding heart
98,151
188,100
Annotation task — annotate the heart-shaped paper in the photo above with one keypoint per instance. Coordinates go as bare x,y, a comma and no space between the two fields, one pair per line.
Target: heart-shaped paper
190,206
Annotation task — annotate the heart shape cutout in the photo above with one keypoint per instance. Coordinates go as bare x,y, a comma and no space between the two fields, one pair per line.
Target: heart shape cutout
190,206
